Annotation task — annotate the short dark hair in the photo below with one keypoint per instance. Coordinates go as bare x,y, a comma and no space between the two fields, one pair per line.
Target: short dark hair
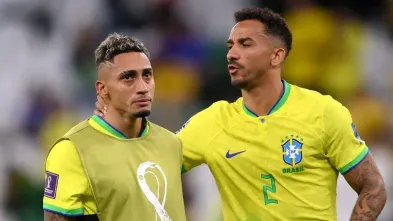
116,44
274,24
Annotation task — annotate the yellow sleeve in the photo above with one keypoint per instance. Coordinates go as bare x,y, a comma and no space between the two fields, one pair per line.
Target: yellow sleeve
196,135
343,144
65,181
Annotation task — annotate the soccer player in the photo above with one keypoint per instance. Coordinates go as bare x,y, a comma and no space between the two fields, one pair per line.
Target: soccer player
118,167
276,152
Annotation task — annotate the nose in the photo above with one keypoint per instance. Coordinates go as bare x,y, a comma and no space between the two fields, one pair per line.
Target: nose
141,86
232,54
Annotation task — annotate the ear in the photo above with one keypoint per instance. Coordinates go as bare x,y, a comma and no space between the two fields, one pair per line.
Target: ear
101,89
278,56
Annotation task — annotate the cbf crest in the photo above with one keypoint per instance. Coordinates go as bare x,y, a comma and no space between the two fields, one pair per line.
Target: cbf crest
292,147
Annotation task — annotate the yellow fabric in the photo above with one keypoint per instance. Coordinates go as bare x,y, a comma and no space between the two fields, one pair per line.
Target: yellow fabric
259,184
341,144
131,179
73,190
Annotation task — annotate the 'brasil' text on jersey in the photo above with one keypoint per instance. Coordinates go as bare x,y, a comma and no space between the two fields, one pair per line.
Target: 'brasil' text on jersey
291,158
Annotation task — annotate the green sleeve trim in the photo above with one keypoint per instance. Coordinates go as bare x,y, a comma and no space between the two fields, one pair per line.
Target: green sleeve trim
183,170
354,162
65,212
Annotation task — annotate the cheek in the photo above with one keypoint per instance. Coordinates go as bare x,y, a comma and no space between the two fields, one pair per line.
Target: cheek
152,86
118,92
261,58
254,59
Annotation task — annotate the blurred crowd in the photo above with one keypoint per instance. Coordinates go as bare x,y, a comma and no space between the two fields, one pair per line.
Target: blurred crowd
342,48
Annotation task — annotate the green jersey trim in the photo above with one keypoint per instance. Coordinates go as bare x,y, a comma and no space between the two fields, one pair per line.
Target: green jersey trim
283,98
112,130
248,111
65,212
145,130
354,162
277,105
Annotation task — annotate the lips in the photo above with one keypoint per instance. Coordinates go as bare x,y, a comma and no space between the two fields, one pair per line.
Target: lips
142,102
233,68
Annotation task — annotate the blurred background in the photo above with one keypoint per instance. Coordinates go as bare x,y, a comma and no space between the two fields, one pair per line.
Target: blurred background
342,48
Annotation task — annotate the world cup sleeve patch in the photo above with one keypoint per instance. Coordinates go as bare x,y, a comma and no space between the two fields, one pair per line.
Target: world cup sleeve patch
51,184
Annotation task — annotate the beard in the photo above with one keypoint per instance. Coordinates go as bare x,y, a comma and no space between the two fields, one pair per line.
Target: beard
142,113
246,81
240,83
243,83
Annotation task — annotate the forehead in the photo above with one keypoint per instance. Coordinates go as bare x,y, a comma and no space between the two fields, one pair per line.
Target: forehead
131,61
247,29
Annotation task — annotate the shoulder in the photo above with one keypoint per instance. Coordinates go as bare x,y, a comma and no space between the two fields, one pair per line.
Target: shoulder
314,100
324,110
204,126
77,128
63,146
207,118
63,152
63,164
218,111
161,132
214,110
306,95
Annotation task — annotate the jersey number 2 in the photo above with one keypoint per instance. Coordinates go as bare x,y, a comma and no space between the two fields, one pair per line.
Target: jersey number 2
271,188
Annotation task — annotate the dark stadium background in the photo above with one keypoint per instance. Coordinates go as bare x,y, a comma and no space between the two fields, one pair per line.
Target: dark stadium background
341,47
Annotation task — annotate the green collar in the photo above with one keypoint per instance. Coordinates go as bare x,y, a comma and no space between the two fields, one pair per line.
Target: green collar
112,130
277,105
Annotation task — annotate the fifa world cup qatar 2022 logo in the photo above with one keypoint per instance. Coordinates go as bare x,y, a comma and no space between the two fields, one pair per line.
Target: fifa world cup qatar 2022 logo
51,184
146,168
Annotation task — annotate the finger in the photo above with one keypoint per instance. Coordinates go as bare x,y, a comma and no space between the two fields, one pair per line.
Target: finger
98,105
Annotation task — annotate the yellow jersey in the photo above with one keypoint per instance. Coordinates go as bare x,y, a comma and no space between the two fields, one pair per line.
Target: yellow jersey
282,166
71,195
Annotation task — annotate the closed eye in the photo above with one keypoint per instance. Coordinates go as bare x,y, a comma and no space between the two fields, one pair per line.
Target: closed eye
245,42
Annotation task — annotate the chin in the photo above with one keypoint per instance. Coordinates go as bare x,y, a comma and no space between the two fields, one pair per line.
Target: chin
142,113
240,83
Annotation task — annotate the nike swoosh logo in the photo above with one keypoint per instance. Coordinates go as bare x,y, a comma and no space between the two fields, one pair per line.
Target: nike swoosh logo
230,155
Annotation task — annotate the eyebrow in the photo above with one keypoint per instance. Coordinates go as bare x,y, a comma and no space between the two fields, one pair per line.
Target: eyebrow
134,72
240,40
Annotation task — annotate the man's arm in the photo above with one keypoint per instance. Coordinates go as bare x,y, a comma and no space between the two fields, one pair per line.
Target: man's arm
197,133
367,181
49,216
65,183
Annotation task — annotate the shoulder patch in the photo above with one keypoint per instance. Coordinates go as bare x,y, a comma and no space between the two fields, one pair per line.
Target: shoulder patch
356,133
51,182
